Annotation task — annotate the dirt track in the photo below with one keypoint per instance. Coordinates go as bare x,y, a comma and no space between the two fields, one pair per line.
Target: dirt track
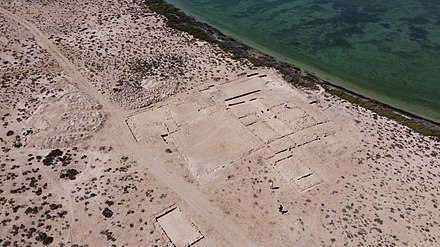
189,194
109,118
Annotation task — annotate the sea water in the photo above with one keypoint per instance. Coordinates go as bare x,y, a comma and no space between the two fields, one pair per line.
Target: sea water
387,50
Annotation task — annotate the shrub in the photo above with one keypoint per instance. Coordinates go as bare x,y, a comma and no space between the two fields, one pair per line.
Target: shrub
48,160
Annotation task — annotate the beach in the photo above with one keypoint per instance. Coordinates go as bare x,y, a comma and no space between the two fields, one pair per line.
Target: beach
118,130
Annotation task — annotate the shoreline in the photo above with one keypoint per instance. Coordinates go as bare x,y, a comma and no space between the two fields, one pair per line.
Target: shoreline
177,19
325,71
119,130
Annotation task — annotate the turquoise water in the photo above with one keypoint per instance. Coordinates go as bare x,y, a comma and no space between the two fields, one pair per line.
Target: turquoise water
388,50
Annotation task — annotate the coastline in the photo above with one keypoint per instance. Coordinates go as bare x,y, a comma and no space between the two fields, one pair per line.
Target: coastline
177,19
120,130
356,83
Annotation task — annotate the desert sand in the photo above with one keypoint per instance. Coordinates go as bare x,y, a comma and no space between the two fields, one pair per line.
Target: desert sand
119,131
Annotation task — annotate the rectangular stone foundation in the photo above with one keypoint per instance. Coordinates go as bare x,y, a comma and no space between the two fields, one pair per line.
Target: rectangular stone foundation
178,228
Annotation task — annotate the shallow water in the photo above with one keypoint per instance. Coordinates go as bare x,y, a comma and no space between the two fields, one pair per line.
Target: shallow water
384,49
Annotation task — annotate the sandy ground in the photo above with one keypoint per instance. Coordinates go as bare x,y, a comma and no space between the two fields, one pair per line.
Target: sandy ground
117,131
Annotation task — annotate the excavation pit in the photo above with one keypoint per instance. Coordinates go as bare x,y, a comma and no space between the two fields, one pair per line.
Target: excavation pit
213,142
178,228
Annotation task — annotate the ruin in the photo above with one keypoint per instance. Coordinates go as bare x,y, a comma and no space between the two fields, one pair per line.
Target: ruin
219,125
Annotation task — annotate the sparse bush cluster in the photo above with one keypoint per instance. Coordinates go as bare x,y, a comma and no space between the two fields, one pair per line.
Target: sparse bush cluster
386,112
152,66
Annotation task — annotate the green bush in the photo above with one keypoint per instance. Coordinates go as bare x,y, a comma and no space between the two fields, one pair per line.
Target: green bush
48,160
